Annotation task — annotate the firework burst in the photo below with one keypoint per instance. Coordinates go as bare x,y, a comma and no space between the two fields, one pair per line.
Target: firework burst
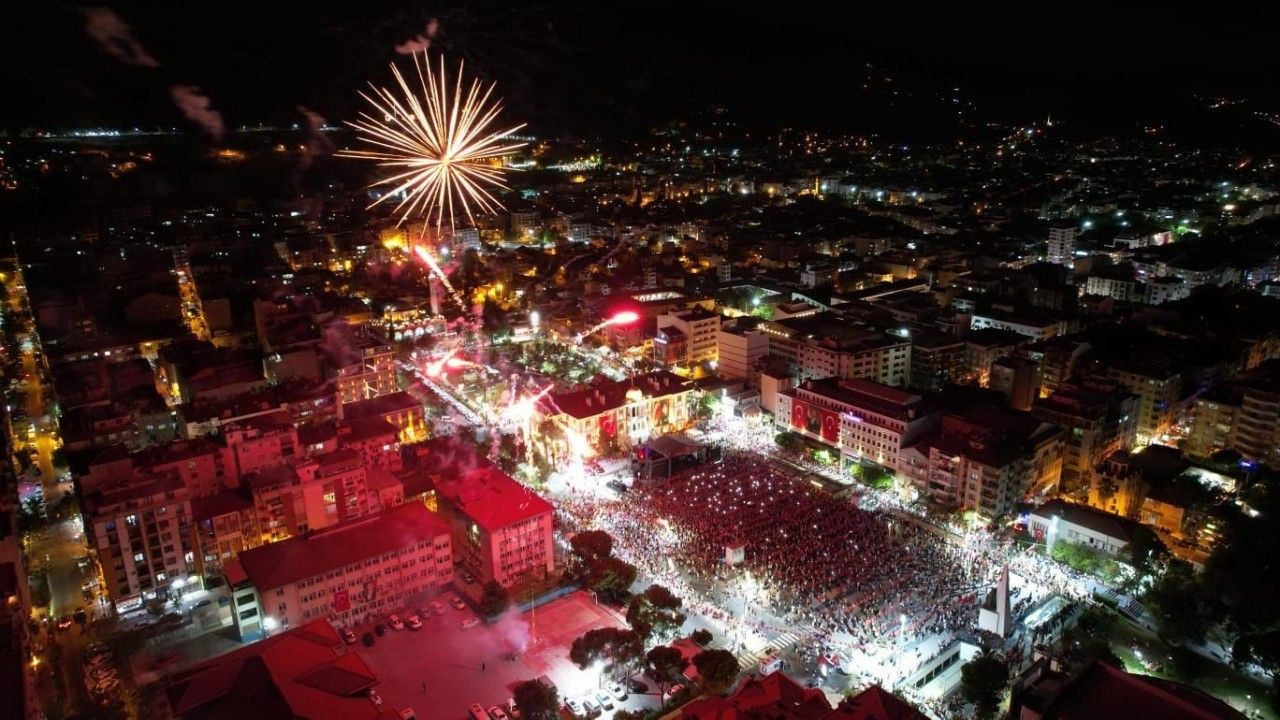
439,142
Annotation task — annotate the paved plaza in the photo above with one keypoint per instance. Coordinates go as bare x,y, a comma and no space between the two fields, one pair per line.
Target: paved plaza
442,669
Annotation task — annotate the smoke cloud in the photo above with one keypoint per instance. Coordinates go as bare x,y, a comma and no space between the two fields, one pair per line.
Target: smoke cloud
513,631
116,37
318,143
197,108
420,42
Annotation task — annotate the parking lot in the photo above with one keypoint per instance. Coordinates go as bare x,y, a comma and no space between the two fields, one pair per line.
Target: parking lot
442,669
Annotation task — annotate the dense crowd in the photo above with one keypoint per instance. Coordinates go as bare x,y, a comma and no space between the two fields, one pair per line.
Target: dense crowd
818,561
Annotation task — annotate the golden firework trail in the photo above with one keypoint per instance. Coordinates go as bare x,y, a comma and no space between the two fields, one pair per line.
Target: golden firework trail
439,142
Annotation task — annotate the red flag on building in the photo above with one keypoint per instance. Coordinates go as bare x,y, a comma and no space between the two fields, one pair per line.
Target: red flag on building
341,601
799,414
830,426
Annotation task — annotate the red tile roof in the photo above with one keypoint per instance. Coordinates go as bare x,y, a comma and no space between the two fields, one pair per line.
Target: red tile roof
492,499
875,703
288,561
1100,688
301,673
611,394
774,696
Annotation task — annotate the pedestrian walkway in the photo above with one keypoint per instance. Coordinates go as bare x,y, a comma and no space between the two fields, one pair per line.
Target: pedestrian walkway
780,643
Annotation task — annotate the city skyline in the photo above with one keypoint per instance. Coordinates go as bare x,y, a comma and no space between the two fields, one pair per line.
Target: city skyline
571,362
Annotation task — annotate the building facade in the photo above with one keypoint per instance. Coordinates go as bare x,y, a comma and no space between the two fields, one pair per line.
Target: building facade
348,574
502,531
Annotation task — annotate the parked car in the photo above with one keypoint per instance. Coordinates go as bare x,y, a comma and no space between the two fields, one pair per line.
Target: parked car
497,713
637,686
617,691
575,707
414,622
469,623
375,697
604,699
468,578
348,637
395,621
589,707
367,639
477,712
438,607
457,603
380,629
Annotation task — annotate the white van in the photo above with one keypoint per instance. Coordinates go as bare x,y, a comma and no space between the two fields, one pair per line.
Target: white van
477,712
770,663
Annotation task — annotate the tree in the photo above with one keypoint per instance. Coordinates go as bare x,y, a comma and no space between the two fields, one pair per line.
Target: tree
1262,649
494,600
1099,649
656,611
666,662
619,649
787,440
1146,549
701,636
535,700
591,545
1180,606
629,715
611,576
982,682
31,516
719,669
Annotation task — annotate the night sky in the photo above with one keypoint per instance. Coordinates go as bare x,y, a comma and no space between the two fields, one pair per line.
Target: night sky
602,68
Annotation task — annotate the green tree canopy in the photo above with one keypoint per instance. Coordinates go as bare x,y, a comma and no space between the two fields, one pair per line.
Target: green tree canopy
535,701
494,600
590,545
617,648
719,669
666,662
656,611
983,681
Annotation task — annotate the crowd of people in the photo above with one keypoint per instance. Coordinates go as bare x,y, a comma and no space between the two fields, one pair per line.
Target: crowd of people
817,561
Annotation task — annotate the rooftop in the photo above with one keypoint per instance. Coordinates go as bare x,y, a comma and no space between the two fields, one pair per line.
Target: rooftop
492,499
1103,523
288,561
301,673
868,395
1098,689
611,394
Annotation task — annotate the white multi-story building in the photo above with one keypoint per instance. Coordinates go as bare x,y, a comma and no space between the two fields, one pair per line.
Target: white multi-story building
863,419
630,411
697,330
1031,327
826,345
347,573
739,351
988,460
1062,245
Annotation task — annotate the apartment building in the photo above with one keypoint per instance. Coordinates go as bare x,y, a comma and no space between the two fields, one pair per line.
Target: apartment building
144,536
502,530
864,420
348,573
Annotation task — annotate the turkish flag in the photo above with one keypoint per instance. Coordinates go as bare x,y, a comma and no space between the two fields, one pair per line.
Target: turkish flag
341,600
799,414
608,426
830,426
659,411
